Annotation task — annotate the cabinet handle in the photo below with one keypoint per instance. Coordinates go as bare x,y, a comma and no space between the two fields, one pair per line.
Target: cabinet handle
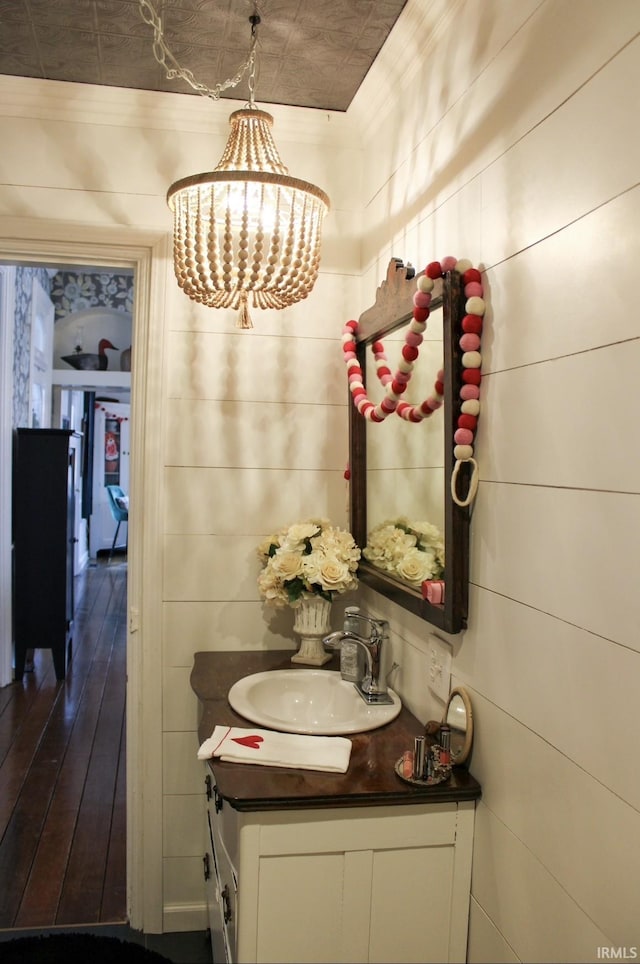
226,904
212,791
207,866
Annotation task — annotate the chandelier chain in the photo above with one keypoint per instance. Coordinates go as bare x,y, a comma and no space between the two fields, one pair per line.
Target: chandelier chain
165,58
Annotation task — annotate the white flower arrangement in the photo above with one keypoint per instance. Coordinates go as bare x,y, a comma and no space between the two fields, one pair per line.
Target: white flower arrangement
307,558
410,551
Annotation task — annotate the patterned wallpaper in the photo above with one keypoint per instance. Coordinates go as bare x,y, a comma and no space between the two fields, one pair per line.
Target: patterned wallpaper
70,291
22,340
75,291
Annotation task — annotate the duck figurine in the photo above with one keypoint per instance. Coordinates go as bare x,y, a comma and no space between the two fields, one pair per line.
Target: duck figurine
88,362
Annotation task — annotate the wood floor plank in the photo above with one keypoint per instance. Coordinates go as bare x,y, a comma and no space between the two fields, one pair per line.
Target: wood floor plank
21,838
41,896
62,772
82,890
23,750
114,897
40,899
83,886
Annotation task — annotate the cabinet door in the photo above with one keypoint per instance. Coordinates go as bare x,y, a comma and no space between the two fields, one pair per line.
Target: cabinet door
43,553
301,909
71,535
379,906
411,905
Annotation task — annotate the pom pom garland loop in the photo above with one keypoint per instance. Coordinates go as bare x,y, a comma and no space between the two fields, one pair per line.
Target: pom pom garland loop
396,385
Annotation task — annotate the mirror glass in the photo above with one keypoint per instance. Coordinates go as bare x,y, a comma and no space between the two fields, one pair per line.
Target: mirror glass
402,470
460,718
405,479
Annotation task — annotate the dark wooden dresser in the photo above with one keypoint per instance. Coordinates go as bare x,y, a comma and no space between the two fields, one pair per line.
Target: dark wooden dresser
43,544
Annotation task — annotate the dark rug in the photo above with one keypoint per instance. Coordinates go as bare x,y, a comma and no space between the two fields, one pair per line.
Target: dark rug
67,948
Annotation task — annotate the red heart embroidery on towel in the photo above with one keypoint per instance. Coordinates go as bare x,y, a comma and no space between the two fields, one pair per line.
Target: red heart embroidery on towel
253,741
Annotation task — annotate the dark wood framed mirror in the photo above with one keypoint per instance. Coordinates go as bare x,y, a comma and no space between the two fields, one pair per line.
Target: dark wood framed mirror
392,311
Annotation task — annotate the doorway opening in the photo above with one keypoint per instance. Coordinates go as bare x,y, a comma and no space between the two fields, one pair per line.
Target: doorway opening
147,253
39,393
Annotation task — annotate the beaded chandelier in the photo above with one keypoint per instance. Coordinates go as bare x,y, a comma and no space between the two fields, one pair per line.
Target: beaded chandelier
247,228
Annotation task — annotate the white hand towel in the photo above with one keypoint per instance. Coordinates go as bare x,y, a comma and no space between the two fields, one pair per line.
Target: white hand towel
269,748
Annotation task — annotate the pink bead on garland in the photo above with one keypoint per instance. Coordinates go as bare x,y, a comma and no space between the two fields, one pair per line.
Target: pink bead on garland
471,377
395,384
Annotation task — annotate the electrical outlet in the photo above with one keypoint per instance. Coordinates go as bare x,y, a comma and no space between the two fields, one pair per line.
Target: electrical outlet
439,667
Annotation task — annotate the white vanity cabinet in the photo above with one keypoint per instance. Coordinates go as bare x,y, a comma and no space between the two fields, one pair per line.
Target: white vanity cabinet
350,884
311,866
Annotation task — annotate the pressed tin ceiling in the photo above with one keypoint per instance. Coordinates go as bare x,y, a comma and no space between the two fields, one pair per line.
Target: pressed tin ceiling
312,53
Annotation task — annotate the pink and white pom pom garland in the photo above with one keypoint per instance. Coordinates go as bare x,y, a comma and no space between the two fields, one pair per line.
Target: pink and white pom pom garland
396,385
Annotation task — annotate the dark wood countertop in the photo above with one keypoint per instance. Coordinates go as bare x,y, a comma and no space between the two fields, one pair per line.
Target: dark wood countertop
371,779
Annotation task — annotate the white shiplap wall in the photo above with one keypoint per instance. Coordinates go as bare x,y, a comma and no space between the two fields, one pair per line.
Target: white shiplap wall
500,131
255,436
517,147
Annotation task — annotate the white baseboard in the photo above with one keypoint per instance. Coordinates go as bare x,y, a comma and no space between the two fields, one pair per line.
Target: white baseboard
184,917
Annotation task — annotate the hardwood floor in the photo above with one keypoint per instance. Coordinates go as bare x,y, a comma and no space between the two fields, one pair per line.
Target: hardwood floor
62,771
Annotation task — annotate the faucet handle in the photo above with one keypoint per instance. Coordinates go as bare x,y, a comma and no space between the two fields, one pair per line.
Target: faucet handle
380,628
377,628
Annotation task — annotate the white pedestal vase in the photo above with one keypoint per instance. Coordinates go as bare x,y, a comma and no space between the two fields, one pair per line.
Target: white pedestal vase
312,621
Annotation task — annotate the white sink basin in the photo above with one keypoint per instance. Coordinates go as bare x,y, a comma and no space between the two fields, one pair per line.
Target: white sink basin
308,701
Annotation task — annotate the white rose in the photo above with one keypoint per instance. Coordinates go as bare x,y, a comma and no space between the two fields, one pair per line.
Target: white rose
296,534
326,571
416,566
334,574
271,588
377,556
286,564
428,533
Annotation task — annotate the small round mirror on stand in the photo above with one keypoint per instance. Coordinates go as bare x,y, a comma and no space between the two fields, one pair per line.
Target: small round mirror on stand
459,717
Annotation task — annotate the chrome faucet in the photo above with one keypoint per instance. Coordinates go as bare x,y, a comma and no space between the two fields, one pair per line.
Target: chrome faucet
372,687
